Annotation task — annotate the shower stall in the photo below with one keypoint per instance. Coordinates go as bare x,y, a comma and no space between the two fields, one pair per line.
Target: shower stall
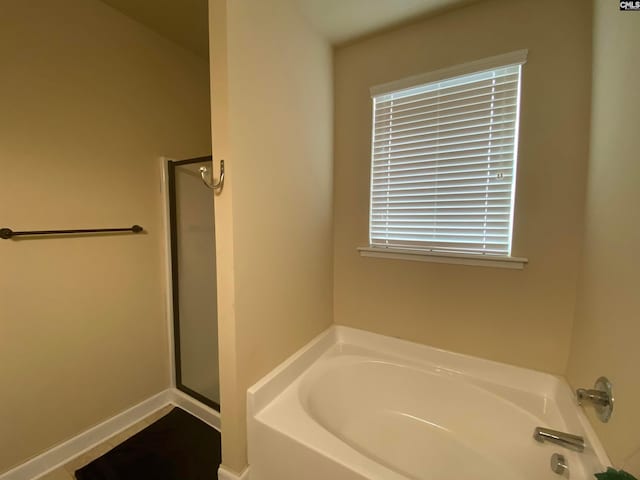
193,280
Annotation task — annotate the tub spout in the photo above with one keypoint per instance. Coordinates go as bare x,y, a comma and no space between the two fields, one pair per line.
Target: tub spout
567,440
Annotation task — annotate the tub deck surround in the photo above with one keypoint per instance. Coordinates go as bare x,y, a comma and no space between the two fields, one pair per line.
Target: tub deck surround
355,405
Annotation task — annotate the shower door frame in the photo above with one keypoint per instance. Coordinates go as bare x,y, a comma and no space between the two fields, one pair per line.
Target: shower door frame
175,293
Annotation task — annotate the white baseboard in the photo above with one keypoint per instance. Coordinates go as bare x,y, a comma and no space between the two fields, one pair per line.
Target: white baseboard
226,474
61,454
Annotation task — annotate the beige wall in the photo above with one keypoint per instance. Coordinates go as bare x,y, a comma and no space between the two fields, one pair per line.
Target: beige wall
90,100
607,327
272,109
519,317
231,396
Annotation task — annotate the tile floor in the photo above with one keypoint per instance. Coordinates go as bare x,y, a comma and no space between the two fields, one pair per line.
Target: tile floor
66,471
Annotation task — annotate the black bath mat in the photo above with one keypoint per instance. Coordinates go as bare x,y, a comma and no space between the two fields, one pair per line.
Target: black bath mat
176,447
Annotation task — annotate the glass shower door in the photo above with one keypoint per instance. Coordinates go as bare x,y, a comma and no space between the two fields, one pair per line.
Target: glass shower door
193,265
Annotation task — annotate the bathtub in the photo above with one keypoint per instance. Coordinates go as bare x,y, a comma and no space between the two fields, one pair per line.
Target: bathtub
353,405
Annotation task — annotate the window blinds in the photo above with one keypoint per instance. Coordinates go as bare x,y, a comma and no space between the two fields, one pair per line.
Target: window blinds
444,164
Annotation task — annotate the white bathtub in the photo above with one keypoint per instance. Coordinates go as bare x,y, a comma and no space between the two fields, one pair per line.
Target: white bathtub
353,405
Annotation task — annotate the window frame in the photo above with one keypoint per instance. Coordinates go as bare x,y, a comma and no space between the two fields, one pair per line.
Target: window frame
423,254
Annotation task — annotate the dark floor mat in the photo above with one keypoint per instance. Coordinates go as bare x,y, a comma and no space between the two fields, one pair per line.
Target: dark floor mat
176,447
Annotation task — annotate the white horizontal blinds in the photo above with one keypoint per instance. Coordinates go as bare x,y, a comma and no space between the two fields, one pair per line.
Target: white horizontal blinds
444,164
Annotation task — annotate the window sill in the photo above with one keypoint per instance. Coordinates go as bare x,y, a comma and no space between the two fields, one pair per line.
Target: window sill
514,263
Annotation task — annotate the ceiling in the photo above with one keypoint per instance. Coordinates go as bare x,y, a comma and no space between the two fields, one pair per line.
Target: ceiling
186,21
343,20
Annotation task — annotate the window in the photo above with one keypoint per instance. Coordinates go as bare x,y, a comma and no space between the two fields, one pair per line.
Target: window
444,158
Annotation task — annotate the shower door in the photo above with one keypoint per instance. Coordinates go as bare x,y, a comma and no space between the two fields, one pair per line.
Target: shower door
193,269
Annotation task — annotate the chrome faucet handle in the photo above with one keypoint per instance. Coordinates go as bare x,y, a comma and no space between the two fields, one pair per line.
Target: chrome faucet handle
601,397
596,397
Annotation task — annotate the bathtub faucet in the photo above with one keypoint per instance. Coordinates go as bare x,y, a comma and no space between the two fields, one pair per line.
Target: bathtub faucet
595,397
567,440
601,397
